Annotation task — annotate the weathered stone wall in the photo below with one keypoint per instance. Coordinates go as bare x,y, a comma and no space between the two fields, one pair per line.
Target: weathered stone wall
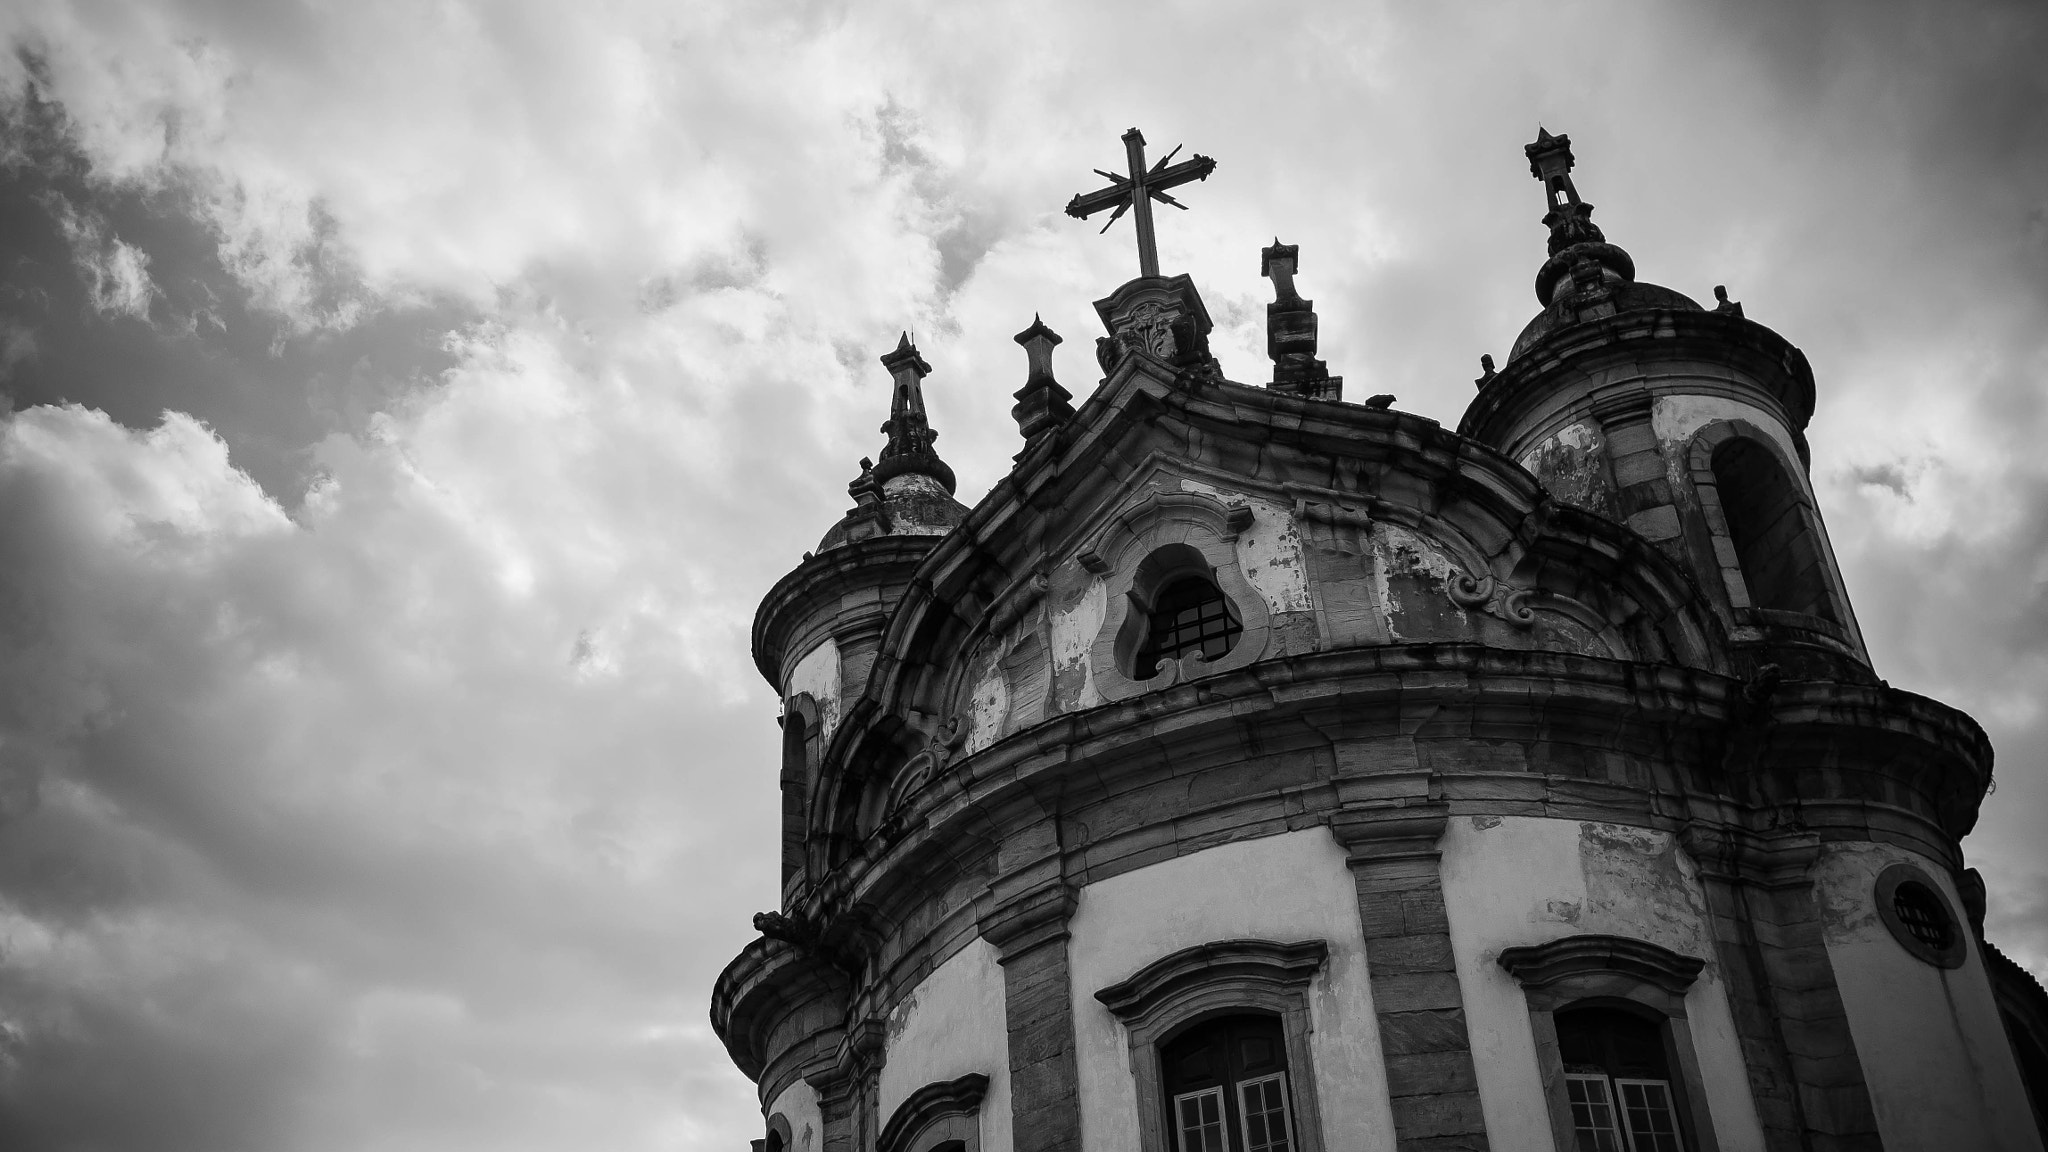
798,1107
949,1025
1515,880
1284,888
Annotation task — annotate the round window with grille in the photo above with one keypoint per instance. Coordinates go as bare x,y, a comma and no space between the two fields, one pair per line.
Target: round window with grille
1913,907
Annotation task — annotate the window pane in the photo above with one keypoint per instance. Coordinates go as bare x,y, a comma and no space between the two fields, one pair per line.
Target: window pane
1263,1103
1199,1116
1646,1109
1593,1122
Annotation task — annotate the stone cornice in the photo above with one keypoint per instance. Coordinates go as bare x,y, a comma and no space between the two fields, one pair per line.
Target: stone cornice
820,581
1541,965
1222,961
1778,367
769,982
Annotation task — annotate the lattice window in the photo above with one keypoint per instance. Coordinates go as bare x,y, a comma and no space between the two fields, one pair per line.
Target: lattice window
1262,1105
1593,1119
1190,616
1227,1084
1647,1114
1198,1121
1923,915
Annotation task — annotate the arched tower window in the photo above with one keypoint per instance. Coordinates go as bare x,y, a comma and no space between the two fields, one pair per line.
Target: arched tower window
795,780
1618,1079
1775,546
1226,1086
1189,616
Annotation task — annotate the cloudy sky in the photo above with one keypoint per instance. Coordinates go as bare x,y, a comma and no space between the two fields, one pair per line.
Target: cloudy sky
410,403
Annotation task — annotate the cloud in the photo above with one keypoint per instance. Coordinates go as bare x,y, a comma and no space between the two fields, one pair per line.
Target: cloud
117,271
381,765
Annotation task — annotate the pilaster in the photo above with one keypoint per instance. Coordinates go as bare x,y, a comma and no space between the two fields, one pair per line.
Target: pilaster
1028,927
1431,1084
1803,1069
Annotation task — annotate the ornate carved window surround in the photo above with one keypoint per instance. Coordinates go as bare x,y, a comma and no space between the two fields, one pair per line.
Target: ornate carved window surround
1158,538
1177,992
1636,976
938,1115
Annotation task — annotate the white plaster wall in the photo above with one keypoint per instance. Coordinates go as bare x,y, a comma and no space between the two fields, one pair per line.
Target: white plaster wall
1283,888
1517,880
798,1104
953,1024
1933,1050
818,674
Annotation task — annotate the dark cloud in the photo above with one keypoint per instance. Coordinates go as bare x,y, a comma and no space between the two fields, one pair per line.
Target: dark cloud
195,339
413,795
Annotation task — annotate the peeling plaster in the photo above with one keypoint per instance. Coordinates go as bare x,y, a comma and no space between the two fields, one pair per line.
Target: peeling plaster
1073,633
818,674
988,705
1399,552
1572,464
1674,420
1269,551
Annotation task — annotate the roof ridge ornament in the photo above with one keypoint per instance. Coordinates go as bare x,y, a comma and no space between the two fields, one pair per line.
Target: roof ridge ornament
1291,330
909,430
1138,190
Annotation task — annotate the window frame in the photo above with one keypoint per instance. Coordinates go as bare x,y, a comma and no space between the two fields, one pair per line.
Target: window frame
1884,891
1222,978
1636,976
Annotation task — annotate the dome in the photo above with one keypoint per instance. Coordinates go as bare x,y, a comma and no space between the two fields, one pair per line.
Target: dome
1627,296
910,504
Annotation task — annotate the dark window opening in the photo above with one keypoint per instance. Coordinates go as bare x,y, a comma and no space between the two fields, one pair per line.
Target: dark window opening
1619,1082
1923,915
1189,616
1780,557
795,785
1226,1087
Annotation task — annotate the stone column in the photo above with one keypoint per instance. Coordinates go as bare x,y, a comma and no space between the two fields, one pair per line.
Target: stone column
1431,1084
1803,1069
1028,926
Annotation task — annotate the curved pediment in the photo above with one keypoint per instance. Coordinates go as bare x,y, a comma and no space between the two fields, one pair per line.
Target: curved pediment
1322,526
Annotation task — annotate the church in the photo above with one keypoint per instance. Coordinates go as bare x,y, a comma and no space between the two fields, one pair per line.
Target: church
1256,770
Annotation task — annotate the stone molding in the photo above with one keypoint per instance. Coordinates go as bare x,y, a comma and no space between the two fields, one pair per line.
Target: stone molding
1540,966
1200,983
1643,978
1030,920
932,1105
1224,961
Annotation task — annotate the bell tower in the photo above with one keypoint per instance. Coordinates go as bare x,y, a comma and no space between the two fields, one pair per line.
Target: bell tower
1630,400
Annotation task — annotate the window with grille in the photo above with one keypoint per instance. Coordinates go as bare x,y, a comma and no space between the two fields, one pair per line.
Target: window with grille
1226,1082
1189,616
1618,1082
1923,915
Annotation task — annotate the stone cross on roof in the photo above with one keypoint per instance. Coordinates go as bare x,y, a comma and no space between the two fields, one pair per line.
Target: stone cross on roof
1139,189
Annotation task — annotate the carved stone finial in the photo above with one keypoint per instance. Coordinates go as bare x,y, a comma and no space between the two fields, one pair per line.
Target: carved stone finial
1162,318
910,434
1486,372
1574,239
1042,404
1723,304
1291,330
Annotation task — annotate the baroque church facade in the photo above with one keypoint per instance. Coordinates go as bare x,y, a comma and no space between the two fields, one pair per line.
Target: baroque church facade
1254,770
